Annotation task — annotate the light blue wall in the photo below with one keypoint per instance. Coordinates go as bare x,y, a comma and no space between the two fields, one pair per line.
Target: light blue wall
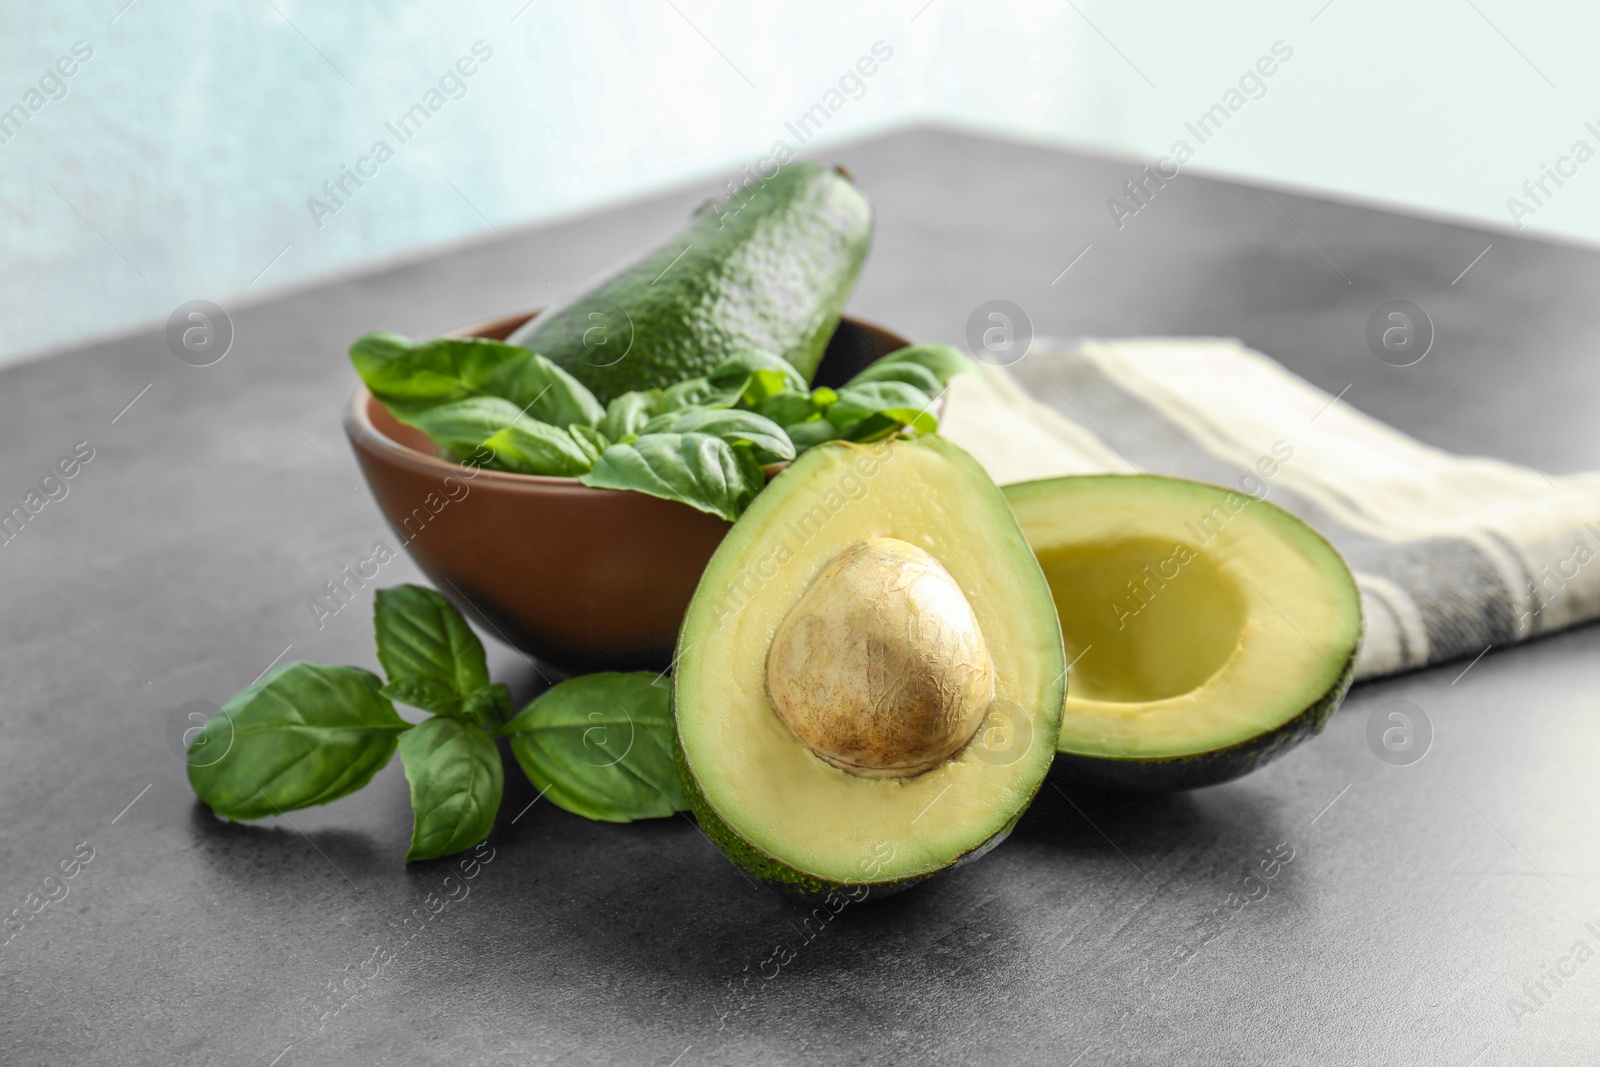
180,160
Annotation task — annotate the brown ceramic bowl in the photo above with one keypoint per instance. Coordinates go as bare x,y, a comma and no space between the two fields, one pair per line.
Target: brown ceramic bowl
583,579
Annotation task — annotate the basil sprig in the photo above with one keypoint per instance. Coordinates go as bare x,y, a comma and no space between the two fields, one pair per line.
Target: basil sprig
700,442
307,734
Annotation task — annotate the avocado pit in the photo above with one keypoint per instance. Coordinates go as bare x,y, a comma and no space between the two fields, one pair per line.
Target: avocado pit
880,668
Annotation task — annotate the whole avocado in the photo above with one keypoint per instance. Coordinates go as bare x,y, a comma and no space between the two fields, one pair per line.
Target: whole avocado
769,268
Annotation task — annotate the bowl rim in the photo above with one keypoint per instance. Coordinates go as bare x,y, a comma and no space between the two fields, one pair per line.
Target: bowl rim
361,430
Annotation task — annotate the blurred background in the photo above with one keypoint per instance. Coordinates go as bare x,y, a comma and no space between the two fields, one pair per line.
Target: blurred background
153,152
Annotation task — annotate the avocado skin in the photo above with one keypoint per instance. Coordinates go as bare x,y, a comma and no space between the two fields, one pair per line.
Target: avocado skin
1176,773
795,884
771,269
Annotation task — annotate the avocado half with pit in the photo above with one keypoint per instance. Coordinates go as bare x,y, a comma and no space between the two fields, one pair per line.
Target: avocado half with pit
871,674
1208,632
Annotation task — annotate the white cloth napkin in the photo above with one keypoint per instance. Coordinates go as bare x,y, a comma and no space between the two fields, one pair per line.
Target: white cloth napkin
1454,554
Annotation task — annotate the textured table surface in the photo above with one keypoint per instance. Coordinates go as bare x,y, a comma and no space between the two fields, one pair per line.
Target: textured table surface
1419,900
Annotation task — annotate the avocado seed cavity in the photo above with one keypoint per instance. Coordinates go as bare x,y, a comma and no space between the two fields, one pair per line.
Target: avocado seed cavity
880,667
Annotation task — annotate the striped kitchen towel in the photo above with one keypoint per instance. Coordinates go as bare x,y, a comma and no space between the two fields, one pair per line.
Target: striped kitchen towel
1453,554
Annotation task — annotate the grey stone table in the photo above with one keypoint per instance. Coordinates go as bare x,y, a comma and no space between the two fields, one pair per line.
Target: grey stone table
1418,901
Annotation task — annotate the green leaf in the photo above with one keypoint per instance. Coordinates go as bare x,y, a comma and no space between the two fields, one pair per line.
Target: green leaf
760,385
663,423
803,416
456,780
628,413
411,375
856,402
911,373
424,695
515,442
547,392
899,404
531,447
789,407
600,746
750,465
734,371
810,434
461,426
699,393
751,375
692,468
589,439
771,444
432,658
489,706
945,362
305,734
882,424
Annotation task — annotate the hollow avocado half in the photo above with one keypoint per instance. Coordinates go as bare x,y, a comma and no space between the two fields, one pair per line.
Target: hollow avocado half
770,267
816,820
1208,632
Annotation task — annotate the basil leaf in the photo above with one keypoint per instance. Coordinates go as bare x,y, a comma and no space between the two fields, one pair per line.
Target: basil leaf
461,426
699,393
489,706
856,402
423,694
456,780
810,434
750,467
545,391
662,423
600,746
788,407
432,658
410,375
303,735
883,424
897,402
736,371
910,373
628,413
691,468
945,362
760,385
751,375
590,440
531,447
515,442
771,444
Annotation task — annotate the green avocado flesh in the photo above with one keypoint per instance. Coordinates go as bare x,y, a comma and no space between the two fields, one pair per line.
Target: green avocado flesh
1208,632
769,268
775,807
